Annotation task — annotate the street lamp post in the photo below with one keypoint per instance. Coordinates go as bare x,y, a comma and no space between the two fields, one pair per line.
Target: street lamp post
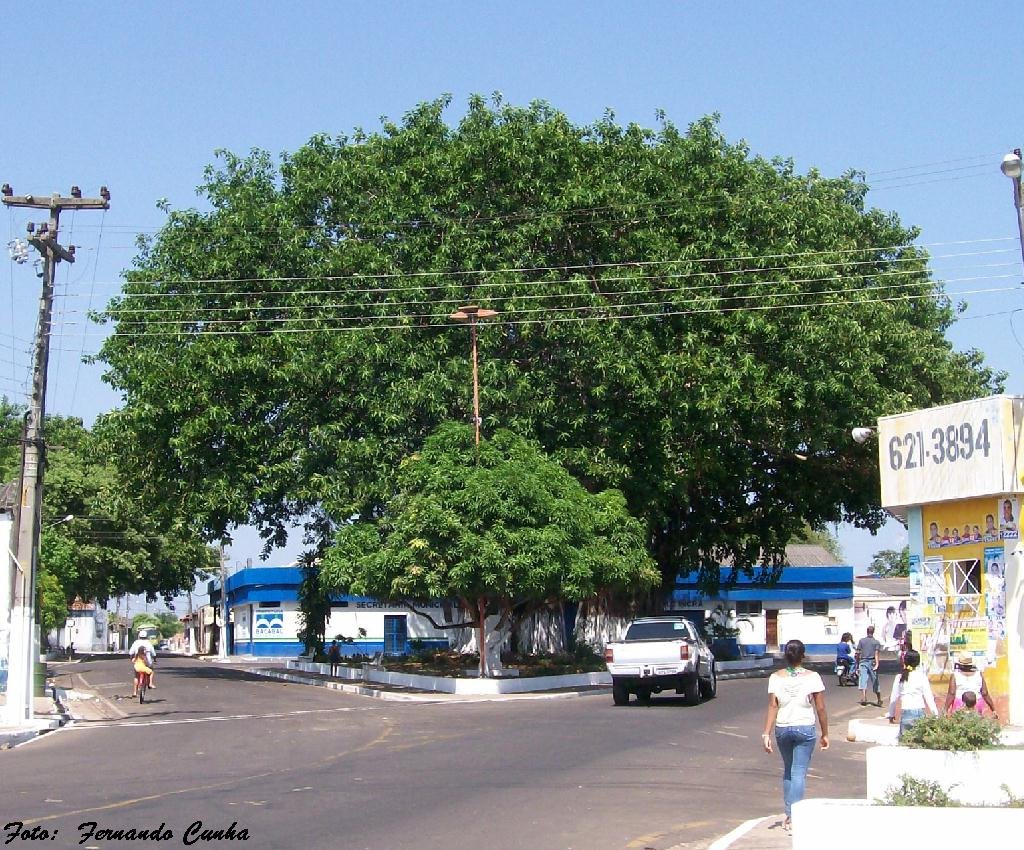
1011,167
472,313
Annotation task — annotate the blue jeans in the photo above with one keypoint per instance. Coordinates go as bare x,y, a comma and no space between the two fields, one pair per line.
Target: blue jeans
868,675
796,746
908,717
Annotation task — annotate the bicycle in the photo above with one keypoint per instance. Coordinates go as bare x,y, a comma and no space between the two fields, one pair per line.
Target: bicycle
142,684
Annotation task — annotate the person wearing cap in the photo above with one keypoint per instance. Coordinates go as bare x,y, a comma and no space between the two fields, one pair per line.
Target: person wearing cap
967,677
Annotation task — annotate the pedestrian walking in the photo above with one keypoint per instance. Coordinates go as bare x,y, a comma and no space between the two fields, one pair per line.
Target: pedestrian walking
912,695
334,656
869,656
796,696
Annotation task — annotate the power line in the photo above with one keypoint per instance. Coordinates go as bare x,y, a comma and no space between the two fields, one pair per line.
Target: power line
513,311
211,313
582,267
491,284
408,324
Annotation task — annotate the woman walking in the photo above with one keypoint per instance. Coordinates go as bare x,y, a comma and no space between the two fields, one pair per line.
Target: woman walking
912,695
795,697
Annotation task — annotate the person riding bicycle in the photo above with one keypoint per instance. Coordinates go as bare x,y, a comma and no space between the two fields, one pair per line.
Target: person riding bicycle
141,663
146,646
844,652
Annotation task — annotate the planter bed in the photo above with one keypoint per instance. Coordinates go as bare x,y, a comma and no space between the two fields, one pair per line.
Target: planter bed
975,777
824,823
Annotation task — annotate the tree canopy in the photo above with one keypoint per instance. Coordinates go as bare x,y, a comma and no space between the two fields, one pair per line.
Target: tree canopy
97,539
495,526
890,563
678,319
166,621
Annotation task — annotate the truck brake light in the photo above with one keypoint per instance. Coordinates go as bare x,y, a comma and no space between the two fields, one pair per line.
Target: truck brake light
609,655
684,652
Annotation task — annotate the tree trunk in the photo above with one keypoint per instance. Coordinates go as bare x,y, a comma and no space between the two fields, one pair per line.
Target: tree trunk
481,610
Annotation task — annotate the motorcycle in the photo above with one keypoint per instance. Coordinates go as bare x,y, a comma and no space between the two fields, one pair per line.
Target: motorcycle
846,673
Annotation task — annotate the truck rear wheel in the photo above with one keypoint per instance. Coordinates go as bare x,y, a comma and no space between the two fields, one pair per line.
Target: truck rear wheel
620,696
709,687
691,690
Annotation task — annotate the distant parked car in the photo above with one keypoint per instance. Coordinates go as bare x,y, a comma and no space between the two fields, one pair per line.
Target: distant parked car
163,646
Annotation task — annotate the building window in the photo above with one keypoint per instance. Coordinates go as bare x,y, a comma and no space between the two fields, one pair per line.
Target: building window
815,607
270,605
748,609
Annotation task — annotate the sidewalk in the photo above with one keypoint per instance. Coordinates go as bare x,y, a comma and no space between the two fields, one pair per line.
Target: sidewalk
49,714
764,833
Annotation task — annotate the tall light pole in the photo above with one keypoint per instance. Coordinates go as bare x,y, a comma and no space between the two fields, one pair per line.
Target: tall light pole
472,313
1011,167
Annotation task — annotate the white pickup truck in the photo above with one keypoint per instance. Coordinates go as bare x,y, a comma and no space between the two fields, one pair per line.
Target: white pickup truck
658,654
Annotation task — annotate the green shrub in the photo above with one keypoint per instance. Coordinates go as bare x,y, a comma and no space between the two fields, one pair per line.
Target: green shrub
961,730
917,792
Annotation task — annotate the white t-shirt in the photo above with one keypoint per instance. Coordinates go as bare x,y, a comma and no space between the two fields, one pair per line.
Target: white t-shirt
145,644
915,693
795,696
967,682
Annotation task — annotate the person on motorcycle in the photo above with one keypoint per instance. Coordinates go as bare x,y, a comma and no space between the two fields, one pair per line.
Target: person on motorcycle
140,662
147,646
844,652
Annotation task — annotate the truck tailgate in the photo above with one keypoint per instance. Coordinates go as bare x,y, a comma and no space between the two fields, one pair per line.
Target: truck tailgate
648,652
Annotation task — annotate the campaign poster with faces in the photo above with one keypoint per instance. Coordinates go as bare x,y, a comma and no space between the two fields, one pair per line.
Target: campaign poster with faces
968,523
995,591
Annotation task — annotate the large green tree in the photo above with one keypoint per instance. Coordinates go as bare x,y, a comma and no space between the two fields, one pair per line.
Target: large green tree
891,563
679,319
97,539
498,527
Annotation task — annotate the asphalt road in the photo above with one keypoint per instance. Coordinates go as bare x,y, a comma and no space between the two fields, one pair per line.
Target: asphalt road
303,767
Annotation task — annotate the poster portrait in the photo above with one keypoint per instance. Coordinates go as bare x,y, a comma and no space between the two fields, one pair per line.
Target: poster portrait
995,591
1009,518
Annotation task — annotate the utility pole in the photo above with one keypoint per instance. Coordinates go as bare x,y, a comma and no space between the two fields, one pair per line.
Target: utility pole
23,652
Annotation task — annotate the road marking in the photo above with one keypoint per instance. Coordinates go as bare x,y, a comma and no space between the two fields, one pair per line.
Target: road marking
642,841
117,724
727,839
731,734
385,733
102,699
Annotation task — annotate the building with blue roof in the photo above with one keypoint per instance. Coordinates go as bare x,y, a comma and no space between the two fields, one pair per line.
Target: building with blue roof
812,601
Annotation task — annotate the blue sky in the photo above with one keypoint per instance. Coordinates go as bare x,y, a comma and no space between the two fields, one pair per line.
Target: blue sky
138,96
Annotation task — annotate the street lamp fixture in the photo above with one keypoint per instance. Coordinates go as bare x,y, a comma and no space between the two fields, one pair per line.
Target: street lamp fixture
1011,167
862,435
472,313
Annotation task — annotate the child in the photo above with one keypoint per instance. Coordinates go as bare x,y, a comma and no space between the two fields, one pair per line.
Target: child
141,665
969,700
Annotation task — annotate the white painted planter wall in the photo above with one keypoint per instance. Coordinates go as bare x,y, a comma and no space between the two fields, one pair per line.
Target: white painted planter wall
823,823
970,777
443,684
